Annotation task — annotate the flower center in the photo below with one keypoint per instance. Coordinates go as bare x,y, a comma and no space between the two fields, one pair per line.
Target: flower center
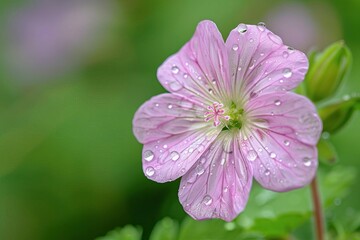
216,112
236,115
232,120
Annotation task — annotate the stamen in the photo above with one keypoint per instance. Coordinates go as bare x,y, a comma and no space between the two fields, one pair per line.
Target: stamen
217,113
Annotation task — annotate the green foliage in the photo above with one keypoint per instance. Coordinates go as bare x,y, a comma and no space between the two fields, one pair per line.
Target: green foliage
265,216
326,151
335,115
166,229
327,70
126,233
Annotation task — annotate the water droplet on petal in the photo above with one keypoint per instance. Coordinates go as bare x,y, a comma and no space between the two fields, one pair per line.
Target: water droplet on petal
235,47
150,171
287,143
242,28
307,161
251,155
170,106
273,155
291,50
200,169
277,102
175,86
285,54
267,172
185,75
261,26
287,72
223,160
148,155
207,200
174,156
165,146
175,70
251,40
226,189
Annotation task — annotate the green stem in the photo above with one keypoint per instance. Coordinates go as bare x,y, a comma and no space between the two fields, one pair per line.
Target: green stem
318,215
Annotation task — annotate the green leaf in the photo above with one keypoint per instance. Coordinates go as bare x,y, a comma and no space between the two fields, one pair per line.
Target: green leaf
335,115
128,232
166,229
280,226
327,152
327,70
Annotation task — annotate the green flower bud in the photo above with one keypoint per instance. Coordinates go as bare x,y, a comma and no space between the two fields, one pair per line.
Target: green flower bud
335,115
327,70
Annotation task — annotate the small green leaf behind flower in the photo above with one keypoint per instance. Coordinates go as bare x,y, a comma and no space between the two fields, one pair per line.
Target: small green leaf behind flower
335,115
128,232
327,71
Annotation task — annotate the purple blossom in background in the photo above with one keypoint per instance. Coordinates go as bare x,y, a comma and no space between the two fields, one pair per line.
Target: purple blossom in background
48,37
229,117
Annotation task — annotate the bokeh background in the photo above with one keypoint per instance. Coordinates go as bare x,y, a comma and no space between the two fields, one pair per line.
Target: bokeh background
73,73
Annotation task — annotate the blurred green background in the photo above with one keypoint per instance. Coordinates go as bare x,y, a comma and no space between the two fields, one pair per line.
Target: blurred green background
73,73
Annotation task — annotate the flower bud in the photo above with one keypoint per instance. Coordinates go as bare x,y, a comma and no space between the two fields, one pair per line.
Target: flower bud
335,115
327,70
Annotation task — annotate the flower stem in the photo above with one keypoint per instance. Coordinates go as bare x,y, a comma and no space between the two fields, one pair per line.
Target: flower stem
318,215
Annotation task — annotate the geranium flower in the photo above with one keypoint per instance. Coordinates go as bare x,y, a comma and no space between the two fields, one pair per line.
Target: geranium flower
229,117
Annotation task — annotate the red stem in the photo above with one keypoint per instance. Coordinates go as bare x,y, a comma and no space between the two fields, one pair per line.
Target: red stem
319,220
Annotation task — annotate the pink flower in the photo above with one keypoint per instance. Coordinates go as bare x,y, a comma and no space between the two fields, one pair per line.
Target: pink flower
229,117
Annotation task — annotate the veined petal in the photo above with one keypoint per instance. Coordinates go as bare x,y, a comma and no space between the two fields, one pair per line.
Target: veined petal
218,185
260,63
166,115
174,134
281,140
200,68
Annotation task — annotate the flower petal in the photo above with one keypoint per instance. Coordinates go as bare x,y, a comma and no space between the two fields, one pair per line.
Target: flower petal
166,115
200,68
281,140
174,135
218,185
261,63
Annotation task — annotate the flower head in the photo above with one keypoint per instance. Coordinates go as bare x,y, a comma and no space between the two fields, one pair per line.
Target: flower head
229,117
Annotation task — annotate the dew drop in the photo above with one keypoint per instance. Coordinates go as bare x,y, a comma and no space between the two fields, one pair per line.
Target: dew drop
242,28
185,75
307,161
261,26
273,155
325,135
207,200
175,86
165,146
251,40
210,91
267,172
235,47
291,50
277,102
230,226
287,143
170,106
287,72
150,171
251,155
223,160
285,54
156,104
200,169
148,155
175,70
226,189
174,156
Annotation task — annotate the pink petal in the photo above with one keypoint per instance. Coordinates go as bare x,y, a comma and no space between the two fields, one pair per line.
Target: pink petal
200,68
261,63
166,115
174,134
281,145
218,185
